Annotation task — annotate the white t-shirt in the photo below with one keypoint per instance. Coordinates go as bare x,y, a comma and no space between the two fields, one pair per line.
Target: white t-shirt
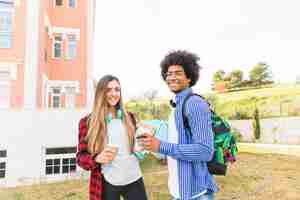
173,182
172,163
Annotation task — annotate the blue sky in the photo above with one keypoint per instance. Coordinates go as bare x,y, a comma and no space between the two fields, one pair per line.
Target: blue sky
131,37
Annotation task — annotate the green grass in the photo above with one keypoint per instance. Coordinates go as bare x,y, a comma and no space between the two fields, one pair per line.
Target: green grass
252,177
277,101
293,90
272,102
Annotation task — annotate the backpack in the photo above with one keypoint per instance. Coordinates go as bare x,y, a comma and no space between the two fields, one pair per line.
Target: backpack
224,142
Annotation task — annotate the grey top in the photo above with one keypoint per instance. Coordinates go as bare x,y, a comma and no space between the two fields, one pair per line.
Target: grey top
124,169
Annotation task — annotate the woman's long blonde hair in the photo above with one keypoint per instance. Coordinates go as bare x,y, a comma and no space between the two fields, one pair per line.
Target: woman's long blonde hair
97,128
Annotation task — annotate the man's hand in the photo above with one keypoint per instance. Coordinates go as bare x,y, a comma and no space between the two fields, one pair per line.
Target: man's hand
149,142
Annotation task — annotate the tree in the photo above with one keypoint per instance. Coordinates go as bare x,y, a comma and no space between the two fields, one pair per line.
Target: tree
236,78
256,124
213,100
227,78
218,76
261,74
146,106
218,81
150,95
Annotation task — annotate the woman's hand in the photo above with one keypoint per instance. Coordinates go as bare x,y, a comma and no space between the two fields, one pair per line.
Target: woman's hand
106,156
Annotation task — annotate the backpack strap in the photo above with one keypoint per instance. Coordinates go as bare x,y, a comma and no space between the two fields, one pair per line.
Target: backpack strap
184,117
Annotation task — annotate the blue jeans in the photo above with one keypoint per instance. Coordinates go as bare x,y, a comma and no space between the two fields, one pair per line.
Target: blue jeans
207,196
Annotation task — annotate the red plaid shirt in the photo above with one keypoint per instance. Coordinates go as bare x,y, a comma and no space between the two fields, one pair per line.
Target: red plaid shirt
85,161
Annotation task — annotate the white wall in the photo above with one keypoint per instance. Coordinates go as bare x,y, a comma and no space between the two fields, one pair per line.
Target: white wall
25,134
275,130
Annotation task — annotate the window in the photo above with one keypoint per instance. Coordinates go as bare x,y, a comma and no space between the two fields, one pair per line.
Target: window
56,101
61,93
57,47
60,150
6,8
5,40
60,160
4,89
72,3
56,98
68,165
70,97
53,166
71,47
3,155
2,169
58,2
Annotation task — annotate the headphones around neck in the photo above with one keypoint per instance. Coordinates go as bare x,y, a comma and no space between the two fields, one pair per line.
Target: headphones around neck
119,115
172,103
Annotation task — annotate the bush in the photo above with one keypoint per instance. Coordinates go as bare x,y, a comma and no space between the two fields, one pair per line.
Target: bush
256,124
240,115
147,110
295,112
237,135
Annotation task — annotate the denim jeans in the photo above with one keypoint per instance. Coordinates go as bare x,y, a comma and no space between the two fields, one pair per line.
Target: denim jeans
207,196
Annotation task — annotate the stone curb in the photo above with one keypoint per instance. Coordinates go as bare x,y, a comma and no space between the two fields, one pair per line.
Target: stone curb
269,148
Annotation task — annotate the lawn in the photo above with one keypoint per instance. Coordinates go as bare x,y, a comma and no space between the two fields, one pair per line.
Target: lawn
284,90
271,102
252,177
276,101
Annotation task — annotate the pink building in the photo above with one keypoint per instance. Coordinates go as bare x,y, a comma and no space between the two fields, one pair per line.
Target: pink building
12,53
45,86
44,53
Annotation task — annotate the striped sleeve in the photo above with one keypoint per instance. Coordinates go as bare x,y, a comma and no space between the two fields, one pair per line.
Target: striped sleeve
201,148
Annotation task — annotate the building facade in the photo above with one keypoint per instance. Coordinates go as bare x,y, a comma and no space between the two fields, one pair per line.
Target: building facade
45,86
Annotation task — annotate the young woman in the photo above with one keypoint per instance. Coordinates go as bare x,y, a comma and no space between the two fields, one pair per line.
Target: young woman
106,138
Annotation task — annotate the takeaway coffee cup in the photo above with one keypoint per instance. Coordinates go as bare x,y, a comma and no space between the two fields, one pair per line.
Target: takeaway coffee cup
112,148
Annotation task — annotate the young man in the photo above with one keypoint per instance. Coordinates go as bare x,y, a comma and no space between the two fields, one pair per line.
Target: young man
187,153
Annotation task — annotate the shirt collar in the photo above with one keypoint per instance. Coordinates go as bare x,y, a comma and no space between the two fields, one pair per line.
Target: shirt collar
183,93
